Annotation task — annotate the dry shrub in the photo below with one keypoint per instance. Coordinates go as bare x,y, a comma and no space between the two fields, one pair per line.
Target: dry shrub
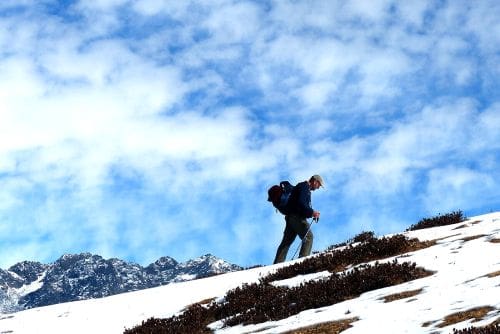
194,320
439,220
401,295
338,260
493,274
285,302
361,237
493,328
473,237
331,327
364,237
476,313
262,301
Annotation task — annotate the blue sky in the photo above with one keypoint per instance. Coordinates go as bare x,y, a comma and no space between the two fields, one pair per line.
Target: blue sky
139,129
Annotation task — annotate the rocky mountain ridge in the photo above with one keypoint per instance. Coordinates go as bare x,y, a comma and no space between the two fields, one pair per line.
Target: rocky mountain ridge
82,276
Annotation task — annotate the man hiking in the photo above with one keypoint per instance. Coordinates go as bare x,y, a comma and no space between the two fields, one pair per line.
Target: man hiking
299,208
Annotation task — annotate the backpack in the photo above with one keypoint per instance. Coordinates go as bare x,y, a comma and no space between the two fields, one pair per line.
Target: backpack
279,195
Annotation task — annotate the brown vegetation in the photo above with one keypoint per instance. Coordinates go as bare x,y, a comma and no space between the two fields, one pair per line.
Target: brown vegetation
332,327
476,313
261,302
338,260
440,220
493,274
401,295
473,237
493,328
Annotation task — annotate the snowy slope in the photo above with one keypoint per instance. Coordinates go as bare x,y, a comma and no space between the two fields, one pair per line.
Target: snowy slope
466,261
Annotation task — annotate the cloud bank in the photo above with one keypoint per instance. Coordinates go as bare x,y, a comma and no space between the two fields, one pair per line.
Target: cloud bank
137,129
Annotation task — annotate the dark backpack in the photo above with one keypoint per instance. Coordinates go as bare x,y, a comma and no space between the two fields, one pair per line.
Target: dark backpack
279,195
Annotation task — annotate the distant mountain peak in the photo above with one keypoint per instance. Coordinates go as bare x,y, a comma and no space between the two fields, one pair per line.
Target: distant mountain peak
165,261
86,275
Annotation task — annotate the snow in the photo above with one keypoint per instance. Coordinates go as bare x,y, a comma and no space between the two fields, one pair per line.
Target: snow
461,259
32,287
299,279
185,277
13,295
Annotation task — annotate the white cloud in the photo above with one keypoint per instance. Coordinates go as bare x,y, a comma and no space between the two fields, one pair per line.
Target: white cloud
234,22
485,132
483,22
392,162
102,4
380,72
154,7
368,10
135,116
315,95
455,188
413,13
432,133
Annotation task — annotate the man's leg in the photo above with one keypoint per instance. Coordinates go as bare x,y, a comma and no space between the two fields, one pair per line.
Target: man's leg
301,227
307,242
288,237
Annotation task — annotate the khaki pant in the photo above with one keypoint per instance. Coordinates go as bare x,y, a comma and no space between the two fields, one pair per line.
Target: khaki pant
295,225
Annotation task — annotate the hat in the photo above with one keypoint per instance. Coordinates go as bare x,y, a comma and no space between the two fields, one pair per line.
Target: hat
319,179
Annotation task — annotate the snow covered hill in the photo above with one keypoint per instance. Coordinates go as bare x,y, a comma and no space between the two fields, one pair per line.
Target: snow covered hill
463,291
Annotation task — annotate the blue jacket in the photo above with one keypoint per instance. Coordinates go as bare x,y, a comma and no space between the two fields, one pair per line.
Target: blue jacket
300,201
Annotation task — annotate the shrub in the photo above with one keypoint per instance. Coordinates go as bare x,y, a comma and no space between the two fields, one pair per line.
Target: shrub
262,301
439,220
194,320
362,237
275,303
490,329
337,260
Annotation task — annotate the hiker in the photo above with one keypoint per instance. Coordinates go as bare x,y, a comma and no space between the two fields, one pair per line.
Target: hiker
299,209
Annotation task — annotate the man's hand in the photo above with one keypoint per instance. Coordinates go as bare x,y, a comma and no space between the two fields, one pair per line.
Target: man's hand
316,215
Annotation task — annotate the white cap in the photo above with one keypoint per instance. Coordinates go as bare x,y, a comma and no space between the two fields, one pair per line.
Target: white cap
319,179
